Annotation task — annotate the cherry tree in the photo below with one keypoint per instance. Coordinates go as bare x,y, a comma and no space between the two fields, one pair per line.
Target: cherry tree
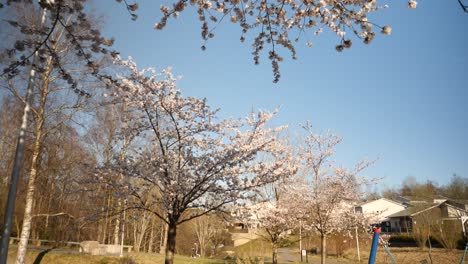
329,191
185,162
276,215
275,23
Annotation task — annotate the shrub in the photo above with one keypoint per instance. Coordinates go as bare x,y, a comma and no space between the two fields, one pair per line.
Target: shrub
402,241
127,260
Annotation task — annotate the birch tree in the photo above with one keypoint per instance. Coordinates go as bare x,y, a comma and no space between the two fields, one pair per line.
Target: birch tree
208,230
64,39
107,138
192,160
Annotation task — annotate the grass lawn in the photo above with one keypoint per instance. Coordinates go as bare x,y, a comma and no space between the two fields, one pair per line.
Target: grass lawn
137,258
254,248
402,256
249,253
416,256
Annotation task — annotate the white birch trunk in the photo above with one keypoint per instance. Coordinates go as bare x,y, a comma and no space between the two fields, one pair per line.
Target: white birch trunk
151,237
162,248
117,230
31,188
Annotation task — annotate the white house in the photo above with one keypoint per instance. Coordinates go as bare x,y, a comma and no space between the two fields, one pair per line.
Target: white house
379,210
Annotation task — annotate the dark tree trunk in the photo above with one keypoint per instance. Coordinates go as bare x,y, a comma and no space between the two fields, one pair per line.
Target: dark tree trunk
275,253
171,242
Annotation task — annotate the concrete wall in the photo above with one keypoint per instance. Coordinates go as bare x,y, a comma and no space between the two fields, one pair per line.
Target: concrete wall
94,248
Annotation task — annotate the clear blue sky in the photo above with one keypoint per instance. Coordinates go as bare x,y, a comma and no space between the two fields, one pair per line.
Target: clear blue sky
402,99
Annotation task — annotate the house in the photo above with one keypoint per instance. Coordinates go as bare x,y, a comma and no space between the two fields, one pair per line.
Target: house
379,210
426,213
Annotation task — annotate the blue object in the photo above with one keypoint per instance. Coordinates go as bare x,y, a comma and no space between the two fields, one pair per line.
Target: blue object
375,244
390,254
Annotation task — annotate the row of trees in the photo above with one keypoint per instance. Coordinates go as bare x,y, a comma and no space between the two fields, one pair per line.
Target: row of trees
456,188
319,198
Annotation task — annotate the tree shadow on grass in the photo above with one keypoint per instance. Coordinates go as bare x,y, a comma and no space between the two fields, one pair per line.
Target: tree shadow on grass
41,255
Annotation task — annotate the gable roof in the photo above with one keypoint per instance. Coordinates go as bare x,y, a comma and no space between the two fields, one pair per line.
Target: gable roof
458,202
384,199
414,210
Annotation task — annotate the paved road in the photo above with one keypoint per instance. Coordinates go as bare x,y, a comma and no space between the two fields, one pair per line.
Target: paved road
286,255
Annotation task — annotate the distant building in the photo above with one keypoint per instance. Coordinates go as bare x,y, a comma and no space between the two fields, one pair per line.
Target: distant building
439,210
379,210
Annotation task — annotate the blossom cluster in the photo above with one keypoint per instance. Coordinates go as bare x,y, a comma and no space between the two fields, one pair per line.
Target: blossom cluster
283,22
190,158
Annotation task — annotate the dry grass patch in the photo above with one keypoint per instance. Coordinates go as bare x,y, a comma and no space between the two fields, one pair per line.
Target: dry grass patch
408,256
133,258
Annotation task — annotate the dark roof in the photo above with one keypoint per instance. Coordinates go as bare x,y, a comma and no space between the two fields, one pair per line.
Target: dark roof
414,210
460,201
412,200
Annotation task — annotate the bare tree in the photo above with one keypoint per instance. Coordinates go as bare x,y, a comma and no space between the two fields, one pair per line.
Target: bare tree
58,95
206,229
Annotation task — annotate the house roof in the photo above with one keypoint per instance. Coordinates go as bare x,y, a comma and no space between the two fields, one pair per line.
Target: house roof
417,209
385,199
459,201
414,210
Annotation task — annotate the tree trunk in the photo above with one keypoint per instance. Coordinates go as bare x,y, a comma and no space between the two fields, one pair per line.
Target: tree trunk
117,226
141,227
151,237
202,250
274,257
162,248
171,242
323,248
31,187
106,222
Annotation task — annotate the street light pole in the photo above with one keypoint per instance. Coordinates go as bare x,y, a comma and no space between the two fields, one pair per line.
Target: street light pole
18,161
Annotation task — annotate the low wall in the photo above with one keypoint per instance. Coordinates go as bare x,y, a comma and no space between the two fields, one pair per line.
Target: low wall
94,248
